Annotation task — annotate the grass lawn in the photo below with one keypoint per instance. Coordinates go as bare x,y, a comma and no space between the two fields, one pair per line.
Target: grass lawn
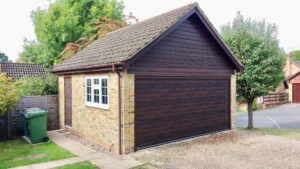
83,165
19,153
293,134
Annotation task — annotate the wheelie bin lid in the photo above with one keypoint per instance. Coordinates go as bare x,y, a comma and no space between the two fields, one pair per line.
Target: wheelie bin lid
34,112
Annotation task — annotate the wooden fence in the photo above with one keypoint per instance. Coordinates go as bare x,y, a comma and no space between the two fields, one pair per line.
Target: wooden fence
275,98
11,123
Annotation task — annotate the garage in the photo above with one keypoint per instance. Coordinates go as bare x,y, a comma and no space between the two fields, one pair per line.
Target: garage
173,109
168,78
296,92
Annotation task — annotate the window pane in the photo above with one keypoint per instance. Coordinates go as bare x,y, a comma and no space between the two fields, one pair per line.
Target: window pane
89,98
104,82
96,81
104,91
88,90
96,91
104,99
96,96
89,82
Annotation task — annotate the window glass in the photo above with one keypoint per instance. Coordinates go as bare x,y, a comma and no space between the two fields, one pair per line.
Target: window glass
96,81
88,81
104,91
96,96
88,90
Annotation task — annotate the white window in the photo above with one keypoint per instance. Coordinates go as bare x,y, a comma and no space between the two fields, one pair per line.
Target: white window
96,91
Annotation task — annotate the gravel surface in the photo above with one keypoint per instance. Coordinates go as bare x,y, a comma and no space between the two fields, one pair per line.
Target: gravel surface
233,150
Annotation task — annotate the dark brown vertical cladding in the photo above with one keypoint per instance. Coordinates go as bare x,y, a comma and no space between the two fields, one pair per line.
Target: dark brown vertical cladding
188,50
68,101
182,86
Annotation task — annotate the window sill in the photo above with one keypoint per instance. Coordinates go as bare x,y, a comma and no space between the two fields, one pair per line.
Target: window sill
97,106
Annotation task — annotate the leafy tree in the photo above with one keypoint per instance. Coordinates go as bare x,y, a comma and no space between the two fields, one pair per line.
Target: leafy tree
37,86
65,21
101,28
295,55
256,44
3,57
33,53
8,94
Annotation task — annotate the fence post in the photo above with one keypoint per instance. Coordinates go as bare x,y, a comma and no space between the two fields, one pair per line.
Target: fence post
58,114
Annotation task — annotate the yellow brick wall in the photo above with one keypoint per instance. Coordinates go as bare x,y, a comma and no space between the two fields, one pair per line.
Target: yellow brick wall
290,68
97,124
290,92
233,100
61,97
128,112
294,69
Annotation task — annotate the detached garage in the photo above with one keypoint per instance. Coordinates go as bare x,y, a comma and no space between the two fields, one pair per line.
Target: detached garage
165,79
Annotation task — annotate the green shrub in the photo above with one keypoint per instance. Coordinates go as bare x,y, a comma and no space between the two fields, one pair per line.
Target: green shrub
37,86
8,94
254,106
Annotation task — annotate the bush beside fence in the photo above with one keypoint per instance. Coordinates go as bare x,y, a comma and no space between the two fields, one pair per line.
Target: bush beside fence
49,103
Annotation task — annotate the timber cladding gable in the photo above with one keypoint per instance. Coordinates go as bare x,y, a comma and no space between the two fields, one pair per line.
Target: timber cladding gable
175,83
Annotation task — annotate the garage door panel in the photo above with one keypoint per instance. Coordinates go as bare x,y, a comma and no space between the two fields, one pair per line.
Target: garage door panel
158,134
151,90
169,124
208,104
178,100
166,115
171,84
169,127
169,109
156,138
186,95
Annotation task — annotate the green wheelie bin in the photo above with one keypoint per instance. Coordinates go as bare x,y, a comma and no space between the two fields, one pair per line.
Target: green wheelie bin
35,125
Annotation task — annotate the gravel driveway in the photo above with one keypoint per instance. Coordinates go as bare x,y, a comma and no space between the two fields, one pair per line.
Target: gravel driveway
233,150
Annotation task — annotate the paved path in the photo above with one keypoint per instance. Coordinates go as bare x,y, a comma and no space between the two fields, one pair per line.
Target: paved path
84,153
284,116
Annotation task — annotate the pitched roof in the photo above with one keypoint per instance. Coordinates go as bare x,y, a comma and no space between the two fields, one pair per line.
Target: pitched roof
290,77
18,70
123,44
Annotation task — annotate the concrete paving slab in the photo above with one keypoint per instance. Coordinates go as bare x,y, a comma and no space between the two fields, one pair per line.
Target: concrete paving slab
74,147
111,163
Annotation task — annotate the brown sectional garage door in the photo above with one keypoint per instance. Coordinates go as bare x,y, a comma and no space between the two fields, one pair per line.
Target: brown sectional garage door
172,109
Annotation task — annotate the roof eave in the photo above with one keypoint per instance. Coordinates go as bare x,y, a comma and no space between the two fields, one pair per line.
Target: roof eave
98,68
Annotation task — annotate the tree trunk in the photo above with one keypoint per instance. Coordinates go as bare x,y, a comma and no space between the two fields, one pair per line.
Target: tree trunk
250,114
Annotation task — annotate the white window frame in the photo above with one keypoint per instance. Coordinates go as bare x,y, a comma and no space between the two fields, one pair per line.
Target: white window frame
99,87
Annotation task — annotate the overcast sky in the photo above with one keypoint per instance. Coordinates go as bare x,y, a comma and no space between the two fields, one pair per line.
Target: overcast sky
16,23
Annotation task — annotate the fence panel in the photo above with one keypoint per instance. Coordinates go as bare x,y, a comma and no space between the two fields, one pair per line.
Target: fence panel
49,103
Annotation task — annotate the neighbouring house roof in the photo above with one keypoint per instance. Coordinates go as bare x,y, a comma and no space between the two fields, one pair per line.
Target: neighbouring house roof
287,79
18,70
124,44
